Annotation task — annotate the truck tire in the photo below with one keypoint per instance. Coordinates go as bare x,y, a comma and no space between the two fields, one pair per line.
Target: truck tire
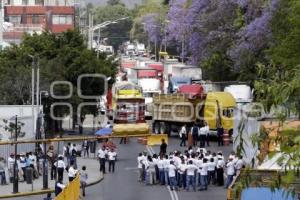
165,128
156,127
162,128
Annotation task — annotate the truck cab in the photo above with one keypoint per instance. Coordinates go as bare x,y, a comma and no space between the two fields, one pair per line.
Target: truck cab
176,82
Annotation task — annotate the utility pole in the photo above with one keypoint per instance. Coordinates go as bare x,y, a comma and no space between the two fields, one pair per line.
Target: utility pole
16,179
37,97
90,31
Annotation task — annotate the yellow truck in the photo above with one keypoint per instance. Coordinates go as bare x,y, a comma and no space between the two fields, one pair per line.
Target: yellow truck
128,105
171,111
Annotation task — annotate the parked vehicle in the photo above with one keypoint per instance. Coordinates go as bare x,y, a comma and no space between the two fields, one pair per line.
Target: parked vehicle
190,105
241,93
128,106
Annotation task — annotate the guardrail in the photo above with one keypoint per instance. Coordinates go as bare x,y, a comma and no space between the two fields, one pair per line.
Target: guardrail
71,191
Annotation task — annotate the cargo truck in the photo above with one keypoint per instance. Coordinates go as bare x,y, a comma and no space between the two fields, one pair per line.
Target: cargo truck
128,105
189,105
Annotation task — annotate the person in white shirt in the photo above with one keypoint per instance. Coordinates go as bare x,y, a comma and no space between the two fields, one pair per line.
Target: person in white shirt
83,179
10,166
182,174
198,163
183,135
71,172
102,153
203,175
140,166
220,171
23,165
150,171
211,167
166,164
190,175
202,136
160,166
111,160
206,130
61,166
239,165
230,172
172,176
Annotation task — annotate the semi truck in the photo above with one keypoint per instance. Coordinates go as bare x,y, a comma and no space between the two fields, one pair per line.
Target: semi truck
241,93
190,105
128,105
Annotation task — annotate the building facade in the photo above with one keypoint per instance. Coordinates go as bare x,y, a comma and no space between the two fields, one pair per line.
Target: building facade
29,16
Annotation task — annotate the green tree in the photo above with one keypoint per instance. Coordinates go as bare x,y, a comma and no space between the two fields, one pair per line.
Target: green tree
115,33
61,58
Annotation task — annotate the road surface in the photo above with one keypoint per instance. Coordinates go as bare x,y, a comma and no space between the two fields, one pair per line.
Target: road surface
123,183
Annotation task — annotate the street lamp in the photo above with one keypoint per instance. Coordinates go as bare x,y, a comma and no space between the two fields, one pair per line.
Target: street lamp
98,26
45,163
16,180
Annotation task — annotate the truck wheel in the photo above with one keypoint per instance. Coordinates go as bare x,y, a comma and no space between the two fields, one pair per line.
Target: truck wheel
162,128
156,127
165,128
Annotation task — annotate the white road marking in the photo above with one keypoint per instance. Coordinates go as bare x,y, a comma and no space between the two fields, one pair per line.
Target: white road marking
173,193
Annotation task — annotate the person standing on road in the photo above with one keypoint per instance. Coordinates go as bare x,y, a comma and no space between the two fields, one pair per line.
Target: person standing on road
10,165
60,164
220,170
211,171
112,155
182,174
67,150
230,172
172,176
203,175
195,133
166,169
85,148
2,171
220,132
202,136
239,165
102,153
83,179
160,166
163,147
23,165
140,159
182,135
151,171
207,136
190,175
51,158
73,156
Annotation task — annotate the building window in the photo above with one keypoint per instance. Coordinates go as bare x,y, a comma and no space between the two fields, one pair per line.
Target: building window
39,2
15,19
36,19
24,2
62,19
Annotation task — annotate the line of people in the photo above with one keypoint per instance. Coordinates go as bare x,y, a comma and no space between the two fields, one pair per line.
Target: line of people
199,133
190,169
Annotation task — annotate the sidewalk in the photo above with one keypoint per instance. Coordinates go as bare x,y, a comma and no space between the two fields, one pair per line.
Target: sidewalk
94,176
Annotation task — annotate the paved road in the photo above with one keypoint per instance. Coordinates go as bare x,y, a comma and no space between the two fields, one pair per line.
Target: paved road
123,183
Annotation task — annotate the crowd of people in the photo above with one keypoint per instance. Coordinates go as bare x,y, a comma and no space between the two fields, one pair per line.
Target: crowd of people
199,133
33,161
195,167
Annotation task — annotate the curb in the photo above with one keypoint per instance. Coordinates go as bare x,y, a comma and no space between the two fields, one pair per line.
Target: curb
39,192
